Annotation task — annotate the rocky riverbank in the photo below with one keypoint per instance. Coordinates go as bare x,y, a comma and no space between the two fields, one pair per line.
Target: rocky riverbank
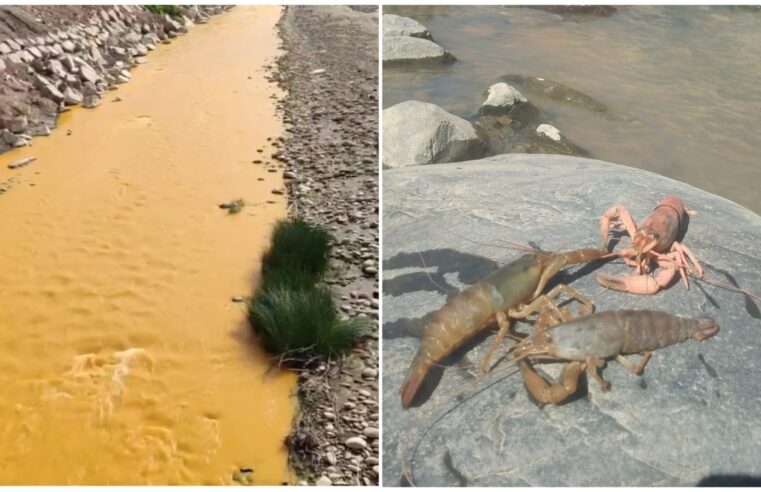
417,132
330,154
56,57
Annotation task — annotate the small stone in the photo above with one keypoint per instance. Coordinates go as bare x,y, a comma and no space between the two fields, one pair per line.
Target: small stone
356,443
369,373
371,432
329,415
238,299
323,481
549,131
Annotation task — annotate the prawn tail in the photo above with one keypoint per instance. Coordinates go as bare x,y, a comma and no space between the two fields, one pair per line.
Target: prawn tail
414,380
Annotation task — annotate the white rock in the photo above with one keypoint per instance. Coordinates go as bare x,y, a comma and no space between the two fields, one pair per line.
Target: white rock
549,131
323,481
501,98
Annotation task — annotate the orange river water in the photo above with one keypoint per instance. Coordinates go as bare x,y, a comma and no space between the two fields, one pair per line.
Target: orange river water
122,358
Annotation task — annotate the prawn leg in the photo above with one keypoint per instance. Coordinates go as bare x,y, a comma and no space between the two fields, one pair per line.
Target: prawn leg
543,303
544,392
593,364
633,367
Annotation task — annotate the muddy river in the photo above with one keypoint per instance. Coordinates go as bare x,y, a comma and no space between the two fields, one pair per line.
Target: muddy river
122,358
681,82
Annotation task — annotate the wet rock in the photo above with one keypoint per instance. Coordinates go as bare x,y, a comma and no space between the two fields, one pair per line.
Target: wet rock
501,99
17,124
556,91
396,25
407,50
640,433
90,101
416,132
21,162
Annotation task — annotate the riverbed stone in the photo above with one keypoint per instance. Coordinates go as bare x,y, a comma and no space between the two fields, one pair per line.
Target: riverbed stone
396,25
501,99
416,132
408,50
690,417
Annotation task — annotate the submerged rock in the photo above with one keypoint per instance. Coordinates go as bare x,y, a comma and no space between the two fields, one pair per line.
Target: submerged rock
396,25
679,423
416,132
556,91
404,49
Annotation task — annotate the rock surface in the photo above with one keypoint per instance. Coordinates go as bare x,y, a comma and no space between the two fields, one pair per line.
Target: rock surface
416,132
396,25
408,50
693,414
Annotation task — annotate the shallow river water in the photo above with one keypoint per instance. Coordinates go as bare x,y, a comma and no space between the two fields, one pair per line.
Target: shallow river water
681,82
122,358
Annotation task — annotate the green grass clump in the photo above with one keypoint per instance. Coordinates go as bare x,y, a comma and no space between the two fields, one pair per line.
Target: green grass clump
300,324
172,10
295,315
297,247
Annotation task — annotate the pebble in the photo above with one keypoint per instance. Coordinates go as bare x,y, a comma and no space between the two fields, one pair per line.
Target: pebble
323,481
356,443
371,432
369,373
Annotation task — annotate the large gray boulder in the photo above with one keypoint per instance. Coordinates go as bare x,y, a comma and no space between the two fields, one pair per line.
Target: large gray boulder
407,50
396,25
416,132
691,417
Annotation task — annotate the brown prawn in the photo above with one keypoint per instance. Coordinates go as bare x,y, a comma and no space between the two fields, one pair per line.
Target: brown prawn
495,297
586,342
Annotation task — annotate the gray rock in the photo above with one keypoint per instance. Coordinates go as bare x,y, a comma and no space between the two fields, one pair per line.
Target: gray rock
416,132
47,88
501,99
396,25
356,442
72,96
690,416
18,124
5,49
90,101
87,73
404,49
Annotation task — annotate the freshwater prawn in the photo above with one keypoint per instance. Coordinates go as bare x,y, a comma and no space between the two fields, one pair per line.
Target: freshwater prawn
513,291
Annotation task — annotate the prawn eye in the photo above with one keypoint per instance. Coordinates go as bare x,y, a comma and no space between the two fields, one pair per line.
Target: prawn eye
547,337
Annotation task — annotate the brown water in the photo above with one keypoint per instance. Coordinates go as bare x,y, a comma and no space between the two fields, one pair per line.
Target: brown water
682,82
122,358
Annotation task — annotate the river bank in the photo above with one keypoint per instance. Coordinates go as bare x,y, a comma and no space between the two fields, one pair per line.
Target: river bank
54,58
122,341
330,151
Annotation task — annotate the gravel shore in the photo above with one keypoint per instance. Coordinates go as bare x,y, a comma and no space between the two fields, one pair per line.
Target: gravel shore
330,154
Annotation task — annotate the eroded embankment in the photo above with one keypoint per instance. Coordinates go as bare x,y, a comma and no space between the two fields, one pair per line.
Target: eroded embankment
123,358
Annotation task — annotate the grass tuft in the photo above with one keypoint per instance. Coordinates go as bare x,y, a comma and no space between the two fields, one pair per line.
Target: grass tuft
172,10
297,247
295,315
301,323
